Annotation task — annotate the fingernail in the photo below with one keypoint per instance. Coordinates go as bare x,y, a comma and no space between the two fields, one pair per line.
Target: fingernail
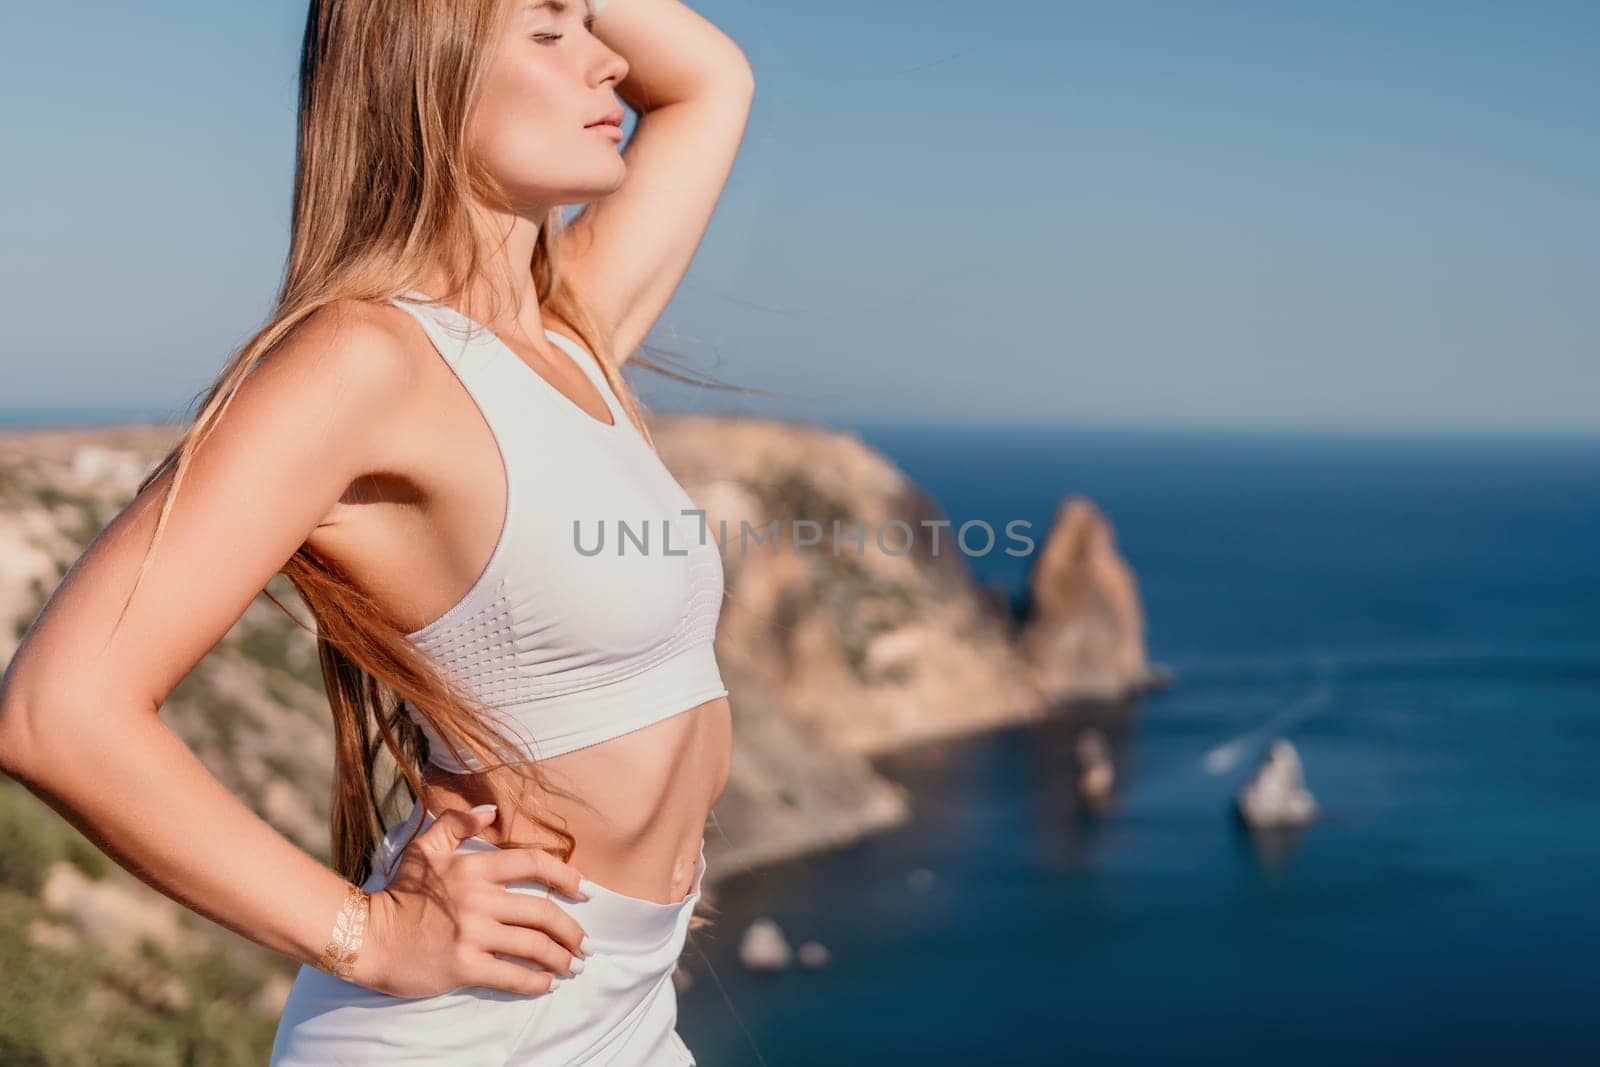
587,948
485,807
577,965
586,887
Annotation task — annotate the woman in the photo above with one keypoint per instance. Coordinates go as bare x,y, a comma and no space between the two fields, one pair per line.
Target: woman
417,440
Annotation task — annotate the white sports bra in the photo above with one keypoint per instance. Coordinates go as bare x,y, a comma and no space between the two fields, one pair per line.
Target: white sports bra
597,610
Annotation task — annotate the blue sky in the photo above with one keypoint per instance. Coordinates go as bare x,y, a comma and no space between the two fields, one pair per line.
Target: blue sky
1264,214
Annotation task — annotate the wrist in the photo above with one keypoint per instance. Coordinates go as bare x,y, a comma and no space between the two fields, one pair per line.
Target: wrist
346,933
367,969
316,917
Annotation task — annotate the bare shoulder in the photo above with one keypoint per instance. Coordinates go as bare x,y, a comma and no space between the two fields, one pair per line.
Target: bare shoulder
352,343
324,408
339,392
352,370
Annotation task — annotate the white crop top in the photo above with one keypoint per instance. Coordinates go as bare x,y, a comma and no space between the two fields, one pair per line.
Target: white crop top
567,645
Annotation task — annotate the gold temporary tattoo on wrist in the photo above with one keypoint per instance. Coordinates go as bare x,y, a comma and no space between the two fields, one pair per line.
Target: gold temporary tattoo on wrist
339,958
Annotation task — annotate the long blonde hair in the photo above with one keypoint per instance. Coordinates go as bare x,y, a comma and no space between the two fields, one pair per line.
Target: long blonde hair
382,182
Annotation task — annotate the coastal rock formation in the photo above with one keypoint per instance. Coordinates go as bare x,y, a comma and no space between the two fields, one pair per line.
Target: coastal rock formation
1097,774
787,793
813,955
1084,630
1276,796
873,640
764,948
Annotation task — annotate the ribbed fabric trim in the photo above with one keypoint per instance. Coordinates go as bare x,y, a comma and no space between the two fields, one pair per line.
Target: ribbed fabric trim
558,725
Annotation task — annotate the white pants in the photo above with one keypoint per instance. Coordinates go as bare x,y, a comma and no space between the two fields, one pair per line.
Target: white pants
620,1011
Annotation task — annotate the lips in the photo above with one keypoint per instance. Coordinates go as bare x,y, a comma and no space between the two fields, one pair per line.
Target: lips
614,118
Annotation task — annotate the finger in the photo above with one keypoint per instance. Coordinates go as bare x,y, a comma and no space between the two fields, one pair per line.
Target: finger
532,864
512,977
454,827
535,946
540,913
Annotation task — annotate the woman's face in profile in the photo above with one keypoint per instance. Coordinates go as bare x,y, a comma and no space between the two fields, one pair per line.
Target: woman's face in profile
549,81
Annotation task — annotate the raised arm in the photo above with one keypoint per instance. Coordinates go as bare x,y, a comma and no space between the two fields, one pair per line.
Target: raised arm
692,87
78,722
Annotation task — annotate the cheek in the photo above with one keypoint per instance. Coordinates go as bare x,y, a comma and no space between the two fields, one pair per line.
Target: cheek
516,151
518,119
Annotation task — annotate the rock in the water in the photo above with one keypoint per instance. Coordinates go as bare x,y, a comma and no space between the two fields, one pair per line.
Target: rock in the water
814,954
1096,773
1084,634
1276,795
763,947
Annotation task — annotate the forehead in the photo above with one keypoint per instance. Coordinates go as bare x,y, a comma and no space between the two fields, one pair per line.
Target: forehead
543,7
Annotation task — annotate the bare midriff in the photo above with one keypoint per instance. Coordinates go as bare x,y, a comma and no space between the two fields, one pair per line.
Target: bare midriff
643,799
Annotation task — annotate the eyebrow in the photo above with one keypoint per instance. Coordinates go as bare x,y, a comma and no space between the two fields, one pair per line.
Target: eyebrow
555,7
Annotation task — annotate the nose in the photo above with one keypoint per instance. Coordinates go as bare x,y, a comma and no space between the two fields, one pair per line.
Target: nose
610,66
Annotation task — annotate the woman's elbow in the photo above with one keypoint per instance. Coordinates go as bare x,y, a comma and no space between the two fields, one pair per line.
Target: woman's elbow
16,733
38,731
740,73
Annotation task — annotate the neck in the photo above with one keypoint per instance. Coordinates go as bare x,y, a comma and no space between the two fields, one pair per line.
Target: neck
503,296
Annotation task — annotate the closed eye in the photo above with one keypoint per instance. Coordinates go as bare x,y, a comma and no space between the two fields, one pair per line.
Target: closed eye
588,24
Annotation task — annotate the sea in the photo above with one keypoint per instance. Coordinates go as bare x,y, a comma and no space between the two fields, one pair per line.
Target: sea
1418,614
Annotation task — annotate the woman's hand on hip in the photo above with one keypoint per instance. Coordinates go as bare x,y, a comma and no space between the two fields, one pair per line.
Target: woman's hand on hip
446,917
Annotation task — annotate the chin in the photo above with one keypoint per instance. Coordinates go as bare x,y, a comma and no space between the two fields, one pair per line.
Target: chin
592,182
601,189
531,204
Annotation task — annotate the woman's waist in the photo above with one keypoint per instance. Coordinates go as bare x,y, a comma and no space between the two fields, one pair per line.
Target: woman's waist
617,921
636,805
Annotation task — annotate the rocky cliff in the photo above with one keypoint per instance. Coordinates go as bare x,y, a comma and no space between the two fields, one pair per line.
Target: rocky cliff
880,640
1084,633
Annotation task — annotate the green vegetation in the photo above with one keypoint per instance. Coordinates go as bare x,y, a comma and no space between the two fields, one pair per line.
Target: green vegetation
33,837
49,496
38,593
793,495
11,484
75,1004
863,606
223,716
66,1002
273,640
